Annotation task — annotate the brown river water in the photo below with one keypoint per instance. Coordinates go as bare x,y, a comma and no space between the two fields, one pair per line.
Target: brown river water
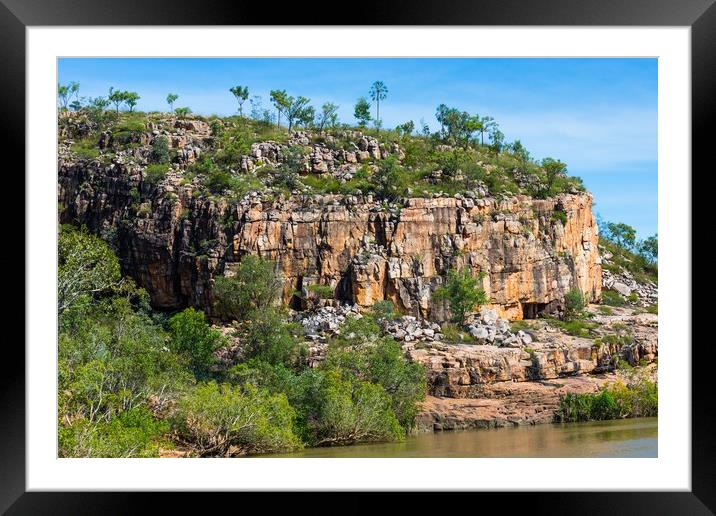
620,438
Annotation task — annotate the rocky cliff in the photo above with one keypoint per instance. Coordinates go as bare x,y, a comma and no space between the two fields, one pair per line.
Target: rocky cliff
175,242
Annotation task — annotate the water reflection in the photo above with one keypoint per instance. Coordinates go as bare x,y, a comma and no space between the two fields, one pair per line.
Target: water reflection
622,438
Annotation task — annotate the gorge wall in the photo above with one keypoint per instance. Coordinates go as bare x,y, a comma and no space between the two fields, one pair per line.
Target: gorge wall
175,242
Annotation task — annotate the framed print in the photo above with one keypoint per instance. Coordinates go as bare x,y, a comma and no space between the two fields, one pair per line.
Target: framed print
421,257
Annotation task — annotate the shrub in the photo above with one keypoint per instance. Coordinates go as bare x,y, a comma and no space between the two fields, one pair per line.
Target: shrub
383,311
573,303
462,293
217,128
133,433
267,337
612,298
111,360
155,173
160,150
223,420
613,401
339,410
192,337
85,150
322,291
389,179
253,287
453,333
559,215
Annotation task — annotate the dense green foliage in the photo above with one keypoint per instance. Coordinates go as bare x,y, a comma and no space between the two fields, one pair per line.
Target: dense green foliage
193,338
223,420
254,286
133,382
639,257
86,266
462,292
614,401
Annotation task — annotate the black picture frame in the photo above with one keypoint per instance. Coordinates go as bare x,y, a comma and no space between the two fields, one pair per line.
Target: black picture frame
16,15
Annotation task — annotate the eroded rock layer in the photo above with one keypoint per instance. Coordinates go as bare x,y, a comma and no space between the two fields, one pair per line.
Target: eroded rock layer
174,241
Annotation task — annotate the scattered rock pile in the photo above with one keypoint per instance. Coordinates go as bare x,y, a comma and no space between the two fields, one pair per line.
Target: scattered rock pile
412,329
625,284
320,324
487,328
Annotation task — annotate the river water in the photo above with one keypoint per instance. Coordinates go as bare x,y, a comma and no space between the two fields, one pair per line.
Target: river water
620,438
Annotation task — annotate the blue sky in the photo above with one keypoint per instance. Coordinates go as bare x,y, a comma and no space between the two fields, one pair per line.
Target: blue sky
597,115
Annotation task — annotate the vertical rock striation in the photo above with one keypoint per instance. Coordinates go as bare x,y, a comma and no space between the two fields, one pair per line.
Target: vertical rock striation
175,242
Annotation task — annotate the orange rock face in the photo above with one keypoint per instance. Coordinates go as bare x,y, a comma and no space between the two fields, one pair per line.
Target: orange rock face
367,255
364,250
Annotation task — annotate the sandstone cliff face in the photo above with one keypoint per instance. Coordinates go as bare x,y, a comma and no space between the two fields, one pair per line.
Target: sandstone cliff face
176,242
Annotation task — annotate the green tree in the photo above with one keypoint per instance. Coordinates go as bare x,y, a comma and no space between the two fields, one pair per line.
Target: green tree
241,93
378,92
222,420
338,409
485,126
254,286
131,98
297,110
521,153
362,111
441,114
74,88
116,97
279,98
182,112
406,128
267,337
112,360
389,179
160,150
462,292
553,169
621,234
86,266
573,303
649,248
328,116
63,93
497,140
171,99
192,337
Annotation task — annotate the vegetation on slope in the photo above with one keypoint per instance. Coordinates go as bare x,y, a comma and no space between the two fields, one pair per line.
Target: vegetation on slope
133,381
469,151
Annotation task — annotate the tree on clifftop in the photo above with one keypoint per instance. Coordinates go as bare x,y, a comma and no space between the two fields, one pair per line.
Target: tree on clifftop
241,93
553,168
362,111
378,92
328,116
297,110
131,98
171,99
279,100
63,92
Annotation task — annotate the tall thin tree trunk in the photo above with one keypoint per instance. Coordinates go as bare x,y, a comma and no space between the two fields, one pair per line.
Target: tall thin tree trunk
377,119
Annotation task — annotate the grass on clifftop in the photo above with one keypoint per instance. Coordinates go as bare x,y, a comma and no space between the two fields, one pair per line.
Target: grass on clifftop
425,165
